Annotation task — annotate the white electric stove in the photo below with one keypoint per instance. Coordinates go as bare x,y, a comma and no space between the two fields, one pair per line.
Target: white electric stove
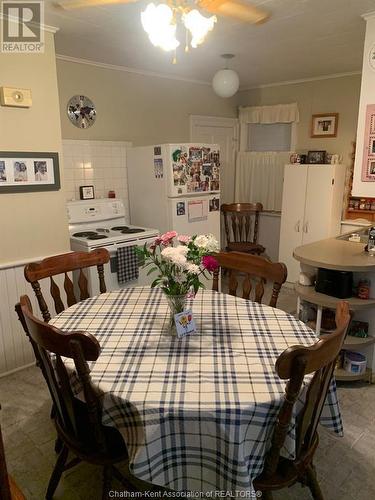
102,223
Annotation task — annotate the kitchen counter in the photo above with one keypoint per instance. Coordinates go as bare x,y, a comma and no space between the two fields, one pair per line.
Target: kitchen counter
336,253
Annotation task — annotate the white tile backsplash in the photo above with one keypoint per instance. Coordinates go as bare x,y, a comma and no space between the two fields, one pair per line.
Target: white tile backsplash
98,163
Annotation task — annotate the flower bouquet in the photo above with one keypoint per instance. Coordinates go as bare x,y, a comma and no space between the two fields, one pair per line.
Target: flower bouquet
180,262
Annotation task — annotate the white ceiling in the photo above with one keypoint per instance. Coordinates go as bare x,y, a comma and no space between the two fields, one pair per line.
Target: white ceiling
302,39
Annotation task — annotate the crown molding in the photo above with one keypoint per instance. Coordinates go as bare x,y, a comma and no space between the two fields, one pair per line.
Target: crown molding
368,15
114,67
127,69
301,80
44,27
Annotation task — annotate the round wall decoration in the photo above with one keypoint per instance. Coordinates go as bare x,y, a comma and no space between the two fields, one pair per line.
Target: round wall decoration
81,111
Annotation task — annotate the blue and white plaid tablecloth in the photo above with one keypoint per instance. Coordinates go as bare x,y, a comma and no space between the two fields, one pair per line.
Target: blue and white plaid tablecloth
196,413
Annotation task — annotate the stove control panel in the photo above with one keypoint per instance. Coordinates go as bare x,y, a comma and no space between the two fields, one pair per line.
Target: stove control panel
95,210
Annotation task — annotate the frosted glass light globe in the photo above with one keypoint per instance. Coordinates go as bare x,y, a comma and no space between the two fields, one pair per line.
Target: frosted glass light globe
225,83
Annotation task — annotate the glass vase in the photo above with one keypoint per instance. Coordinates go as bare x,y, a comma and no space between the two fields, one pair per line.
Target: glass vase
177,304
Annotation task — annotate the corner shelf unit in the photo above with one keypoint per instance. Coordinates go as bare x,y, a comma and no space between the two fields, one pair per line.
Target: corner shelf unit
308,294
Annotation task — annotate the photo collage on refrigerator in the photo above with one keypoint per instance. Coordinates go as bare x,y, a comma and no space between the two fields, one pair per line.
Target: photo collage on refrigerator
196,169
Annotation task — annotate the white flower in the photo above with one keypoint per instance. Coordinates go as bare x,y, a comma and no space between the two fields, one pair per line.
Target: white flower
201,241
182,249
174,255
207,242
212,244
192,268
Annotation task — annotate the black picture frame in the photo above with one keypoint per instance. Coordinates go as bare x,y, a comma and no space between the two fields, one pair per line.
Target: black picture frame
30,184
316,157
84,195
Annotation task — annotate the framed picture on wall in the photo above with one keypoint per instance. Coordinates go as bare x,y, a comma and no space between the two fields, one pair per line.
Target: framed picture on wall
324,125
86,192
27,172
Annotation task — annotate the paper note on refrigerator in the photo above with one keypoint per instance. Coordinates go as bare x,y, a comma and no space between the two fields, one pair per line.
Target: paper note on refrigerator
197,210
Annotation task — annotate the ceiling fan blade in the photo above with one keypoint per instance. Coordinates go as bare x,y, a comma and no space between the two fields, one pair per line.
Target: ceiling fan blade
235,8
80,4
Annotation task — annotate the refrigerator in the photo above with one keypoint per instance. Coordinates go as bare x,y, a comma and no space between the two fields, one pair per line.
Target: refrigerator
175,187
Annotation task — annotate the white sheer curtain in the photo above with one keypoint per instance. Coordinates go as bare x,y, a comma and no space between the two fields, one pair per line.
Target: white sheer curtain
259,175
259,178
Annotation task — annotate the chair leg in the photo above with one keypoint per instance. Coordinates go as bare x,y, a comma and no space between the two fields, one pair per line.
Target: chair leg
107,481
312,483
57,472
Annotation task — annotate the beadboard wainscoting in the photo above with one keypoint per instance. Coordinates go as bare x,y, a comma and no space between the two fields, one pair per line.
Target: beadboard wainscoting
101,164
15,348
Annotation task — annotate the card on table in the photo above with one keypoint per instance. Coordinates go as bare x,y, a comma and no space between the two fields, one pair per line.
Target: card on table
185,323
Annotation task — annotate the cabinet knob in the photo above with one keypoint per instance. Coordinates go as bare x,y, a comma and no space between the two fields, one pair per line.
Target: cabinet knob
297,227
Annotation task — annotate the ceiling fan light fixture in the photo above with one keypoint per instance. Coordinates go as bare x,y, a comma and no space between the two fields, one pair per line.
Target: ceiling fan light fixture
158,23
198,25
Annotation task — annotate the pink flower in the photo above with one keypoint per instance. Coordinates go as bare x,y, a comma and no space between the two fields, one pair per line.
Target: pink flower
166,238
184,238
210,263
157,241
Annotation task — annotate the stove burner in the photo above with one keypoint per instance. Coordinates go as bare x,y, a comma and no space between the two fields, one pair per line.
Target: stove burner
84,234
119,228
131,230
97,237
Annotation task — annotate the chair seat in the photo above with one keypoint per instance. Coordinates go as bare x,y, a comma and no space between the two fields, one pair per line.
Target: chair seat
245,246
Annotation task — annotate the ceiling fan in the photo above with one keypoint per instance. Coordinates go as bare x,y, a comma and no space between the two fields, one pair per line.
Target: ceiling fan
160,21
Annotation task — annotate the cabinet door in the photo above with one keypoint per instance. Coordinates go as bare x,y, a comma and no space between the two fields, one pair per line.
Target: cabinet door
318,208
292,211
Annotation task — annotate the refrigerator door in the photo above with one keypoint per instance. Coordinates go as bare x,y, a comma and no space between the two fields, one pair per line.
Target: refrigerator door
192,169
195,215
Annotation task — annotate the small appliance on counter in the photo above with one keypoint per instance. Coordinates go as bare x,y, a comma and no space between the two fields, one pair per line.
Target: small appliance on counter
337,284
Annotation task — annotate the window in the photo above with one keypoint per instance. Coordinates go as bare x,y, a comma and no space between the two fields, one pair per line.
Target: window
269,136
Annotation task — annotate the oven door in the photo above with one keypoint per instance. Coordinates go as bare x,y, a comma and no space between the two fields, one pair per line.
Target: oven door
110,269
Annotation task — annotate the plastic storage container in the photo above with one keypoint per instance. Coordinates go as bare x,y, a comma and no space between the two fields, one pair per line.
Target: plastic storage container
354,362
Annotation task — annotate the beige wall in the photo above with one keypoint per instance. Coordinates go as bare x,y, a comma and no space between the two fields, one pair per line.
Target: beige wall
334,95
32,224
137,108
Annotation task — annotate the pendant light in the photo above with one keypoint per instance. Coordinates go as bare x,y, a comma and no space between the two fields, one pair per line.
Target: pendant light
226,82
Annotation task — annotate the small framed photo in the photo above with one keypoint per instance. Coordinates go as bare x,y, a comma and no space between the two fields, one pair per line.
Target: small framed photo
324,125
316,157
86,192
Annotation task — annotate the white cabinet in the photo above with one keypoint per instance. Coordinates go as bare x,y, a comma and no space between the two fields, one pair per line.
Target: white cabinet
311,208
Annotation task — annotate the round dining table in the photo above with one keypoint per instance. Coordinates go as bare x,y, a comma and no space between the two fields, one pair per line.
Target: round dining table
196,412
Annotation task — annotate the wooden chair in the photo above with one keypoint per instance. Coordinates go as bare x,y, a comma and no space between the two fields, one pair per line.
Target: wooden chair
292,365
63,264
241,224
252,267
78,423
